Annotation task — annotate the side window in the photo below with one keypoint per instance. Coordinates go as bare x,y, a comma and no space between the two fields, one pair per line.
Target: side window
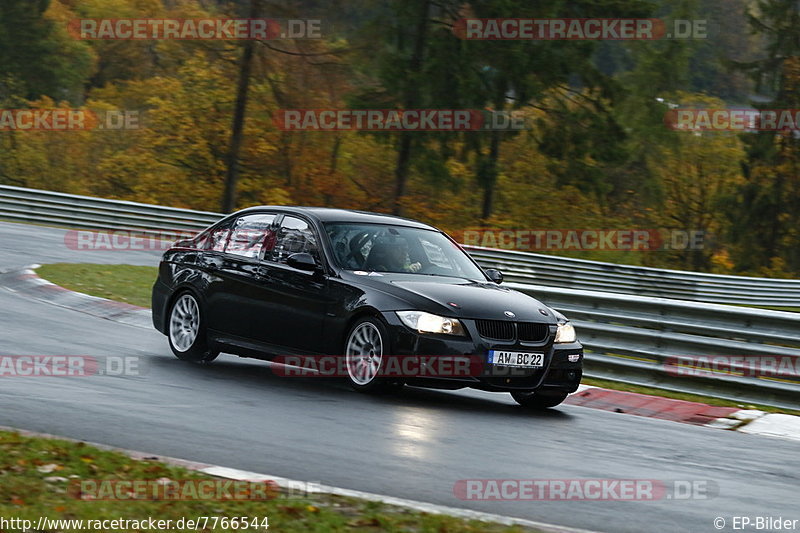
215,238
295,236
250,234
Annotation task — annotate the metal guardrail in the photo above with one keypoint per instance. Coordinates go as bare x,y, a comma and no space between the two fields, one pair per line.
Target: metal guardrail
46,207
633,338
557,271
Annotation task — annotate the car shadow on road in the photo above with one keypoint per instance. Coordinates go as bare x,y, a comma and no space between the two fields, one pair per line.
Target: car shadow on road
254,373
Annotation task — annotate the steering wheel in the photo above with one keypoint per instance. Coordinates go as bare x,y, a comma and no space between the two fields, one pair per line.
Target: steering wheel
356,243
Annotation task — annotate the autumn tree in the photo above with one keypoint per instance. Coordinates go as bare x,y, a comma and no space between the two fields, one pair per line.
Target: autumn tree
764,225
38,56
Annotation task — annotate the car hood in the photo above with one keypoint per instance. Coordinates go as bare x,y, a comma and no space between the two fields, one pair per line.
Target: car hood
473,299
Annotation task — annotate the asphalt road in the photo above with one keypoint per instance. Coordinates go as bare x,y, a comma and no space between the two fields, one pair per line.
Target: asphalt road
415,445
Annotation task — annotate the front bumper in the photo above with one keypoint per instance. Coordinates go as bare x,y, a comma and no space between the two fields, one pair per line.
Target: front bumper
557,374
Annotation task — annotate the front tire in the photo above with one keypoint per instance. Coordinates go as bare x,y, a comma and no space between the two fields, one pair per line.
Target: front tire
364,350
539,400
186,331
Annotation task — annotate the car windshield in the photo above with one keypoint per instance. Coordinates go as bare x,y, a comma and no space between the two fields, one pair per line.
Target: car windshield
388,248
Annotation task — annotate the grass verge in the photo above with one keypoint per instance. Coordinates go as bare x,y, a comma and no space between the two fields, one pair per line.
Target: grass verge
132,284
123,283
41,477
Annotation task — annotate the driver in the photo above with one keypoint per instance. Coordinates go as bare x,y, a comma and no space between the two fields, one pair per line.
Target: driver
392,256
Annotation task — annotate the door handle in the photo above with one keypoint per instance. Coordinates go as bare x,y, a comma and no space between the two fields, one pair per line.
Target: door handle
262,272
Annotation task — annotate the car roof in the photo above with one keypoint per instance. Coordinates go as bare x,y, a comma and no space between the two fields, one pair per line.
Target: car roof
330,214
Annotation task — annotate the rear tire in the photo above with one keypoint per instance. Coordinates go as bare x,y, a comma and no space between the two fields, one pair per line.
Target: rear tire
186,331
539,400
364,350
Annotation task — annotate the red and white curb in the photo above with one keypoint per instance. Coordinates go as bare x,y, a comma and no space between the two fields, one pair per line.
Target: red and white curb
25,281
750,421
316,488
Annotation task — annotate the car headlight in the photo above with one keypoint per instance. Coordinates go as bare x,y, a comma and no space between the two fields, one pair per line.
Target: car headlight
565,333
428,323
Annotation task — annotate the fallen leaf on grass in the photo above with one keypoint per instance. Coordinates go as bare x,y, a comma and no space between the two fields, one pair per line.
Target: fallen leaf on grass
291,511
365,522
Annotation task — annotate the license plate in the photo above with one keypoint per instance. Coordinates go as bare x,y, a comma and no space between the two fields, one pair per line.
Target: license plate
518,359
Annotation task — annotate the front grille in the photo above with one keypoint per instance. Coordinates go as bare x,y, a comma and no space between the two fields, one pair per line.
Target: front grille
504,331
496,329
532,332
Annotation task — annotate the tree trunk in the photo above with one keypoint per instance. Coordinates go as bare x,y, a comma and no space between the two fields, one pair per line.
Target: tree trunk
232,173
401,171
334,165
410,101
490,176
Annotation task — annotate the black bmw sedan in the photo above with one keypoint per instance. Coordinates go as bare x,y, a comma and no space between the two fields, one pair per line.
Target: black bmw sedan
382,301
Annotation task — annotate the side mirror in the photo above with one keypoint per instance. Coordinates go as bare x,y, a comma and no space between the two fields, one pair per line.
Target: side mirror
302,261
494,275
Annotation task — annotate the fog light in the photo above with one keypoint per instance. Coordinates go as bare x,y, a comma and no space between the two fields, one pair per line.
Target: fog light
574,357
